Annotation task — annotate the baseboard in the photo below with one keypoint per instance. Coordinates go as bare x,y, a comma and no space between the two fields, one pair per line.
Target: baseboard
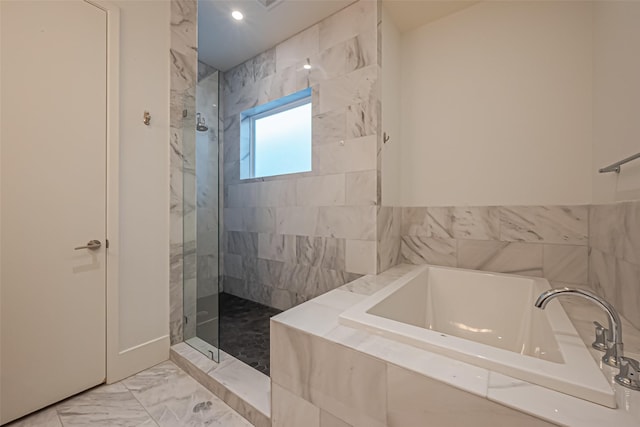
135,359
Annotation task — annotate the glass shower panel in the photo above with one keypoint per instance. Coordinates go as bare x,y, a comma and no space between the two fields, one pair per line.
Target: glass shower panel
189,215
201,218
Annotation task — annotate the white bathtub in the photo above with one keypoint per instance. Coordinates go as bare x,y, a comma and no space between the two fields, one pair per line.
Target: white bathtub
488,320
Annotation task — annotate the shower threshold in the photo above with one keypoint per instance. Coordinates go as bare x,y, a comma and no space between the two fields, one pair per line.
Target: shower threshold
243,388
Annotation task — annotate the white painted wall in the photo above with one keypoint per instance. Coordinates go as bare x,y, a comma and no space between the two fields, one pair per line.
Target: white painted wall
497,105
391,116
616,89
144,180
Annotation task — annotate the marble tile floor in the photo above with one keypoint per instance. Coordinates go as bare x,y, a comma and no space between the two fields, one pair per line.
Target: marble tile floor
244,330
163,395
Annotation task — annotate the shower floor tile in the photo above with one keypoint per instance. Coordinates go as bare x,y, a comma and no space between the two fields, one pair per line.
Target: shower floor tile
244,330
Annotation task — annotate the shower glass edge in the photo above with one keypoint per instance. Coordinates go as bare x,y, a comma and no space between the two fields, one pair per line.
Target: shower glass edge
201,260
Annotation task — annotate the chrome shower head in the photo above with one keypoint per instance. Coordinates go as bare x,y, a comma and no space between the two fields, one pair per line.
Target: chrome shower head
201,125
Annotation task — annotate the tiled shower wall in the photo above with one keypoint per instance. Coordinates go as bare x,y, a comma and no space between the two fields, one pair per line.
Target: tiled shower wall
597,246
292,237
184,58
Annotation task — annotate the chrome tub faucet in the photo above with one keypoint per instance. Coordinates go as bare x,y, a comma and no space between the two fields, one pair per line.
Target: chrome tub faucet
629,375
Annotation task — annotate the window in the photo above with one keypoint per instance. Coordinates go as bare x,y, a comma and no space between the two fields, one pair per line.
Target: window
275,138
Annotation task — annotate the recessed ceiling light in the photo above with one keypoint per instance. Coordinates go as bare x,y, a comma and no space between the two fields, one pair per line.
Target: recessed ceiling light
237,15
307,66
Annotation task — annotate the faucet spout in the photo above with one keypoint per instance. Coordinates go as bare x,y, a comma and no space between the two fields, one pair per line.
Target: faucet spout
614,347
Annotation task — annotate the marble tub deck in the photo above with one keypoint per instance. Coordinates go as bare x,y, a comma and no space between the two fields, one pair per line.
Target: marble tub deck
318,319
162,396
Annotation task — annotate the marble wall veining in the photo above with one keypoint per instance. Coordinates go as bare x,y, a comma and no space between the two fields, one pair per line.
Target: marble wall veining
292,237
318,382
183,54
543,241
614,256
389,223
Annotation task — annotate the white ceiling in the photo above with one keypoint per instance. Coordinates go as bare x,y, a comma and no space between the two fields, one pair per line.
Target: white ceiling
224,42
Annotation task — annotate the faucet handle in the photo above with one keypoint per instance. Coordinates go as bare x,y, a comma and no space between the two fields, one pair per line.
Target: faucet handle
613,354
602,336
629,375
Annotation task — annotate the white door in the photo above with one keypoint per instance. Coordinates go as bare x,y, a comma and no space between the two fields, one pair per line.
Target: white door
52,199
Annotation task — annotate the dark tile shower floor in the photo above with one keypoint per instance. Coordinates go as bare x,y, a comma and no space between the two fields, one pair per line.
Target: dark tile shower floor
244,330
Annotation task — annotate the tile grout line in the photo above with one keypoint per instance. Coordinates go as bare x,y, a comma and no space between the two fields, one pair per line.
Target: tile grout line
58,415
156,422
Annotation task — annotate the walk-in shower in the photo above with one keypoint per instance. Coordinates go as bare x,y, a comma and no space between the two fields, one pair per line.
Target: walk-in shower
240,269
214,321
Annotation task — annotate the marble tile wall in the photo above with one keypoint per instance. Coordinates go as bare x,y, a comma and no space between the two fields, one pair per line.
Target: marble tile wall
614,256
183,54
389,237
389,217
292,237
543,241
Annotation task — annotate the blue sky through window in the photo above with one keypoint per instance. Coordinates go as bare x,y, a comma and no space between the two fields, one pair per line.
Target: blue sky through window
283,142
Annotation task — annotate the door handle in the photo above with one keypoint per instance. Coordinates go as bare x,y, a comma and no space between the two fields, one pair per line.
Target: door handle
93,245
